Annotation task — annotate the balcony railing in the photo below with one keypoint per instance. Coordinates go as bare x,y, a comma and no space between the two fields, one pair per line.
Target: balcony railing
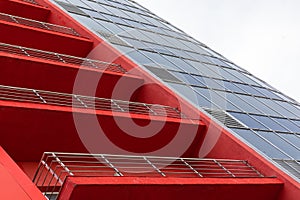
78,101
54,168
37,24
62,58
31,1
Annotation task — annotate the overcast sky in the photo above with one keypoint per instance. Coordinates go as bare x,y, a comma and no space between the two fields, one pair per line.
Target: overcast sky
261,36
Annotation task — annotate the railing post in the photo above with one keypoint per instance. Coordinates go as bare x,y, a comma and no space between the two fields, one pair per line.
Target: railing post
252,168
62,164
113,102
189,166
224,168
78,99
154,167
38,95
111,165
152,111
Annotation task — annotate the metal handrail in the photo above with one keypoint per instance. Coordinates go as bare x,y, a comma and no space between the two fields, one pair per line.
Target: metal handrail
31,1
38,24
54,168
10,93
62,58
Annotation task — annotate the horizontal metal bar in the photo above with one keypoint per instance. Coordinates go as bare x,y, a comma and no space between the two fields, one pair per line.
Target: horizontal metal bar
134,156
62,58
97,165
31,1
79,101
38,24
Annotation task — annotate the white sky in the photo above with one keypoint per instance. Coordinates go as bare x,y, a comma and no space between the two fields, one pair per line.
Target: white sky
261,36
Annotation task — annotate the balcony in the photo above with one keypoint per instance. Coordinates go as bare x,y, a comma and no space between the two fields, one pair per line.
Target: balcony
37,24
30,116
41,35
31,1
71,176
78,101
25,8
57,72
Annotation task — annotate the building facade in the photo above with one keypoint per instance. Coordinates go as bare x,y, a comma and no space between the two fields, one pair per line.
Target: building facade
96,79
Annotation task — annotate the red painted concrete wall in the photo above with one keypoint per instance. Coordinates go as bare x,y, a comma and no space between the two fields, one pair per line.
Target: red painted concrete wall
128,188
14,184
227,147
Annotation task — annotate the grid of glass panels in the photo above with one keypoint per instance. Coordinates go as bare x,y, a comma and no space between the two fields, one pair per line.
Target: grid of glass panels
271,120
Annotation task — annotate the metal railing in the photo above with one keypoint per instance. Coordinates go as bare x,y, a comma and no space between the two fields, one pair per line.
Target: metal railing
31,1
38,24
62,58
54,168
78,101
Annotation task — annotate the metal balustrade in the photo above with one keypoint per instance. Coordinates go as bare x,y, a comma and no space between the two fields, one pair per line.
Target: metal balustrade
38,24
54,168
31,1
9,93
62,58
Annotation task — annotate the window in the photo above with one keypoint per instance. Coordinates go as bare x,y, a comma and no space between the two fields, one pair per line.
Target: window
261,144
270,123
281,144
248,120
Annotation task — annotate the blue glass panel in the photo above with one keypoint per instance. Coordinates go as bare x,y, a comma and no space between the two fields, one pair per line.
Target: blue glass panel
248,120
204,92
119,4
220,98
227,76
115,19
159,59
110,26
289,124
136,17
197,57
217,61
97,7
134,23
205,98
200,80
249,89
297,122
180,63
92,13
159,48
268,122
79,3
243,105
186,91
202,69
267,93
232,87
213,83
203,102
294,139
186,78
279,109
140,58
281,144
136,43
260,144
116,12
255,102
291,108
240,76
